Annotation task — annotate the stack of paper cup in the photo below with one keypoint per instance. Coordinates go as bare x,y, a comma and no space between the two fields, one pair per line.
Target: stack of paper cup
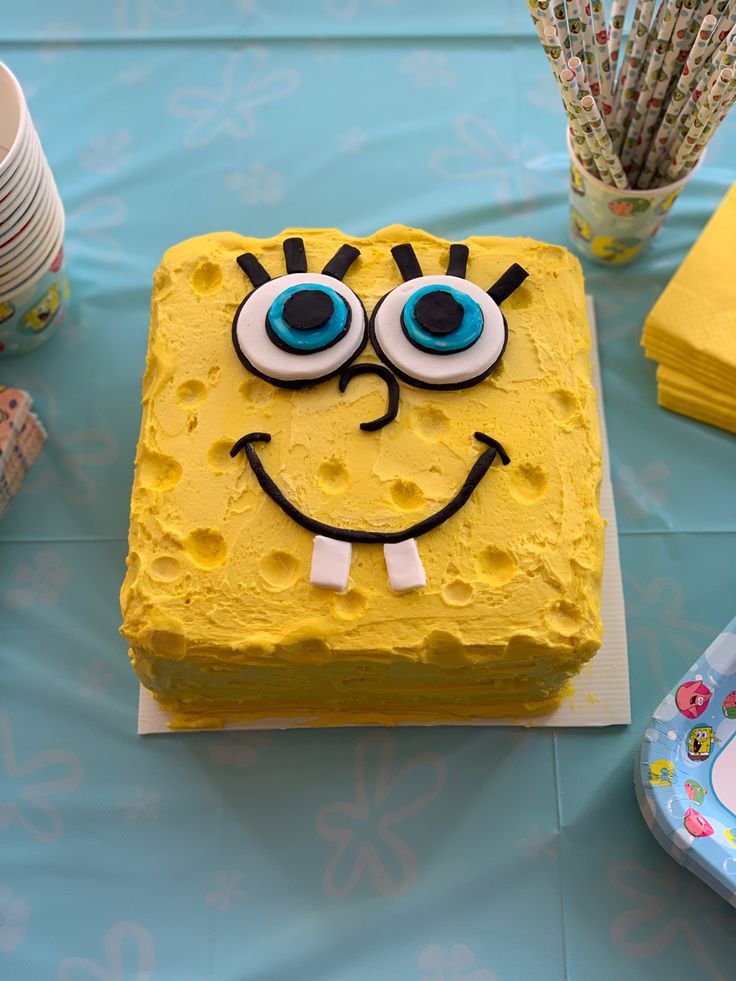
34,289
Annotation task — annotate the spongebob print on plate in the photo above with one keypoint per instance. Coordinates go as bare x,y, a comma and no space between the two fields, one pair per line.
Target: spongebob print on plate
366,484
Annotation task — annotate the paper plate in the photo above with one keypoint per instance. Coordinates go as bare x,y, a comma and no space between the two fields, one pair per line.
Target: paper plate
686,769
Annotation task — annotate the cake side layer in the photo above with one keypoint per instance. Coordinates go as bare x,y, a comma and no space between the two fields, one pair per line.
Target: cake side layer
218,574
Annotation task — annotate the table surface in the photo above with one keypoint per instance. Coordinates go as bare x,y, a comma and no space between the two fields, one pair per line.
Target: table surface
439,855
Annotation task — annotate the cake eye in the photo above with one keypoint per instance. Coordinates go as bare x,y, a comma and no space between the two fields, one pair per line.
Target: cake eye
442,332
300,328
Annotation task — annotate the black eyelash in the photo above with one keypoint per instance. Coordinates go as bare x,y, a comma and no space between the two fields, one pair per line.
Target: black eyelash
458,264
406,259
295,258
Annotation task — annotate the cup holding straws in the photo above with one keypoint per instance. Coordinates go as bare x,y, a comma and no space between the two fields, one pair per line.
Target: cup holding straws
639,115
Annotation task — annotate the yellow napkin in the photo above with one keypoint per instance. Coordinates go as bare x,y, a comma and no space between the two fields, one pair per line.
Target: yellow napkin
691,330
678,392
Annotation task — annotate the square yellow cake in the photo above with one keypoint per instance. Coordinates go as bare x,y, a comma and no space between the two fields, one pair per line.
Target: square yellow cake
366,484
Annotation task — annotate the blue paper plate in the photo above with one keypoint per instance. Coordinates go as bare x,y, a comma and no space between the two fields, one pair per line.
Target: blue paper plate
686,769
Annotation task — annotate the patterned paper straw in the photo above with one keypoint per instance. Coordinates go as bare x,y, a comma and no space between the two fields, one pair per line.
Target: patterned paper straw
581,82
570,94
604,141
724,57
560,22
697,135
677,100
591,64
641,10
553,50
579,139
668,70
693,150
615,31
575,28
632,148
600,37
628,91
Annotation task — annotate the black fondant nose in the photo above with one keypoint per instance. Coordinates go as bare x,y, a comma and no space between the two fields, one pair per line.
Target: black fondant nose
438,312
308,309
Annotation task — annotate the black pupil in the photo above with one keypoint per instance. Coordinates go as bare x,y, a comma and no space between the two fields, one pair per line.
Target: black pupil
438,312
308,309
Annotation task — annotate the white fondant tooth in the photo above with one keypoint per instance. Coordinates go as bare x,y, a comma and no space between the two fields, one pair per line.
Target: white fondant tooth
404,566
330,563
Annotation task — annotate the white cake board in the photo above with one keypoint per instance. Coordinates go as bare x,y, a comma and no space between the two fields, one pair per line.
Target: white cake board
601,690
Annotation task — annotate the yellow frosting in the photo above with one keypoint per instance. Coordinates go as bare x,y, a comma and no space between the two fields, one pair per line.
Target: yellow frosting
221,618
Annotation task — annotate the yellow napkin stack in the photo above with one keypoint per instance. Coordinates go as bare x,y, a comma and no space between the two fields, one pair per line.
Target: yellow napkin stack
691,330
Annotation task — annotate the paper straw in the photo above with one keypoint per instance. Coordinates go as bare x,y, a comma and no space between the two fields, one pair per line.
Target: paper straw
560,22
696,137
725,56
615,32
553,49
633,148
576,26
677,100
604,141
581,82
637,25
600,38
537,17
665,72
627,88
571,97
693,151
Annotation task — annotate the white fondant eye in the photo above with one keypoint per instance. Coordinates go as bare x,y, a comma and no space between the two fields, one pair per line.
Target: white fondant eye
301,328
442,331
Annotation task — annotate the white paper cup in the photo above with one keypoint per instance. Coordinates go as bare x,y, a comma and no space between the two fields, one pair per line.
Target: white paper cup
33,252
614,226
27,263
34,312
27,227
14,121
25,187
18,172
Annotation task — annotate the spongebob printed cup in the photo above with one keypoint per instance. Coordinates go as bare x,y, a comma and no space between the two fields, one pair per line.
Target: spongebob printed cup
614,226
30,314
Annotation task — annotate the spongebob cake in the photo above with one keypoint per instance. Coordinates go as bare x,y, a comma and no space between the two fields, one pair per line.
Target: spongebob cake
366,483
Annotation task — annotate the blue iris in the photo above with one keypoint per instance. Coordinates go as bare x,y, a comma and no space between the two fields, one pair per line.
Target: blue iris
451,321
303,340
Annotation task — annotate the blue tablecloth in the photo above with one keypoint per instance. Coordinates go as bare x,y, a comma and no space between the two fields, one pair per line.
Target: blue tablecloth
460,855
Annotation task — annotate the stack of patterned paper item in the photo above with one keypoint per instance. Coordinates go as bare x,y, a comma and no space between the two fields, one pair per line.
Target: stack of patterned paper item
21,439
691,330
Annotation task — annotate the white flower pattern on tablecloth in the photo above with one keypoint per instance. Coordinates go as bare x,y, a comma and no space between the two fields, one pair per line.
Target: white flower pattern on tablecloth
510,171
656,621
40,583
238,753
14,915
107,152
230,109
28,785
129,955
346,9
136,16
91,225
57,38
245,6
257,185
654,919
140,804
64,464
352,140
227,890
457,965
642,491
363,830
95,679
137,73
539,845
427,69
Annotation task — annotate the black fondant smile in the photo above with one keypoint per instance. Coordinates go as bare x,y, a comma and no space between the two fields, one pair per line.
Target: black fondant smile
475,475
